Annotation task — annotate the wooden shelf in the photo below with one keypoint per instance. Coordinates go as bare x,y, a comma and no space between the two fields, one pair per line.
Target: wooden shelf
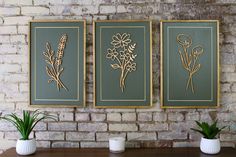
104,152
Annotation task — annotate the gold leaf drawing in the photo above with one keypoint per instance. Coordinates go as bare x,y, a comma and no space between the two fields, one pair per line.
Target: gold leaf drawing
122,53
54,69
115,66
189,59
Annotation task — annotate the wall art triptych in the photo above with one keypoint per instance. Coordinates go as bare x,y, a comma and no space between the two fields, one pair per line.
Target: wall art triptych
122,63
57,63
189,64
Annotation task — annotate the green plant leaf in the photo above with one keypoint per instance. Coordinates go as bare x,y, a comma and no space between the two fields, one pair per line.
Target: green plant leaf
208,131
26,124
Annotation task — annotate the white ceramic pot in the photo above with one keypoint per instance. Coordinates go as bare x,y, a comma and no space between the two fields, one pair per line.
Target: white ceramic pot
210,146
26,147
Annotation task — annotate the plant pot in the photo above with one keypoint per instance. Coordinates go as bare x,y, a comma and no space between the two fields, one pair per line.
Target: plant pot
26,147
210,146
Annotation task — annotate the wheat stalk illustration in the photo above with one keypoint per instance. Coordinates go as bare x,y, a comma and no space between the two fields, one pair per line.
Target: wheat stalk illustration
54,69
122,53
189,59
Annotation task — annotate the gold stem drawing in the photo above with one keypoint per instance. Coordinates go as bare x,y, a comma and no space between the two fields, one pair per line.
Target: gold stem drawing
189,60
122,53
54,70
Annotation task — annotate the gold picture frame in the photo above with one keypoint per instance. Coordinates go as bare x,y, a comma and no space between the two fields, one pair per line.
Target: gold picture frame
64,24
110,104
192,25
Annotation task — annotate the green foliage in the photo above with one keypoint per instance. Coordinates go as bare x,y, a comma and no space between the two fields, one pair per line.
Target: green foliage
208,131
26,124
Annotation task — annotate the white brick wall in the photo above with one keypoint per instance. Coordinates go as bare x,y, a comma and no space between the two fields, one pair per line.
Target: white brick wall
91,127
9,11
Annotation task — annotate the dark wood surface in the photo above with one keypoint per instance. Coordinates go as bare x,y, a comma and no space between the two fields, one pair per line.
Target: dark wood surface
155,152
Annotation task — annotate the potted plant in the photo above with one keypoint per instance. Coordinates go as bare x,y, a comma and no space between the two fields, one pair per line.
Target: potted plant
209,144
25,145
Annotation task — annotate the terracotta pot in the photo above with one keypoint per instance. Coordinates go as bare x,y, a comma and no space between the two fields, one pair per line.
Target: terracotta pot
210,146
26,147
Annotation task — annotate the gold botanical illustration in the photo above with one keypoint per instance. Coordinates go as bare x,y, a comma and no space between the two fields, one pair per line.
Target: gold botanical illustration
188,58
54,70
122,53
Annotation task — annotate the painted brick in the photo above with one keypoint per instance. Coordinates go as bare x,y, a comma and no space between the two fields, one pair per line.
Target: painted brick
182,126
13,135
65,145
24,87
67,126
153,126
63,2
92,9
18,39
224,116
128,117
145,117
23,29
121,9
34,10
226,87
77,136
17,20
4,39
234,87
98,117
228,98
40,126
1,135
8,49
14,59
114,117
123,127
15,78
172,135
107,9
6,105
9,11
92,127
159,116
8,30
48,135
175,117
192,116
2,97
82,117
140,136
94,144
227,137
42,144
18,2
65,10
9,68
106,136
66,116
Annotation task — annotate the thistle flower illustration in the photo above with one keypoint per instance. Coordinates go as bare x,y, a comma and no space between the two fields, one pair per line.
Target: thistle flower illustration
189,59
122,53
54,70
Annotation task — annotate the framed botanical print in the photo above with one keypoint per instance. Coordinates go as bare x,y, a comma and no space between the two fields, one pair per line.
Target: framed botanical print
189,64
122,64
57,63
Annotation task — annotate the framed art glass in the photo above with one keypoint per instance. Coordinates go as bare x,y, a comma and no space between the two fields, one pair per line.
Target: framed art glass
189,63
122,64
57,63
